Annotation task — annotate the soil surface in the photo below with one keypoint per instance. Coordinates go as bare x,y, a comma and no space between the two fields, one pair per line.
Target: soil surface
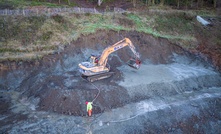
174,91
209,46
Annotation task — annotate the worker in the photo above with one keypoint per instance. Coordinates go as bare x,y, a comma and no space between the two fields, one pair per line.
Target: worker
89,108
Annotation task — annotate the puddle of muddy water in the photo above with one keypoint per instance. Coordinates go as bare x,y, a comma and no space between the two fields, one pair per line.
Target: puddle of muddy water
161,73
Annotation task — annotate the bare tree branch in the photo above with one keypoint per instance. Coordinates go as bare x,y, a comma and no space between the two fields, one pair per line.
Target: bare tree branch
214,3
99,2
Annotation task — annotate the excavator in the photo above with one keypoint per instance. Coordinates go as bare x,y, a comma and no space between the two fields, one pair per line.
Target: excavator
97,67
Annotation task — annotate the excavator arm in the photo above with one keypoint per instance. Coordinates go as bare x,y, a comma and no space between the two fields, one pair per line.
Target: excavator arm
121,44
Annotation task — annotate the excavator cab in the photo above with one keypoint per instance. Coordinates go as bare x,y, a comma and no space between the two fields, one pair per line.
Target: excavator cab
134,63
94,59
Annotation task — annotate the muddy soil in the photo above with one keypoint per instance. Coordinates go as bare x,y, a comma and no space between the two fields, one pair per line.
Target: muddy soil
53,84
61,89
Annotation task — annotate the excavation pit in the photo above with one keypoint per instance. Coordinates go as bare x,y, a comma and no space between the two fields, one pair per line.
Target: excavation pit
166,70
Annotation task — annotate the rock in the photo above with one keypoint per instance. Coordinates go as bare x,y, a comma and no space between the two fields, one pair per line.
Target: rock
100,123
203,21
194,104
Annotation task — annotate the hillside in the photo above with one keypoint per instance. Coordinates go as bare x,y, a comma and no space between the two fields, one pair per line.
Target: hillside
25,38
177,89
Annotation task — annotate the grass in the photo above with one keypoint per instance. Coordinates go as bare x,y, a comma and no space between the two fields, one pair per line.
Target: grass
91,23
32,35
28,3
165,26
138,21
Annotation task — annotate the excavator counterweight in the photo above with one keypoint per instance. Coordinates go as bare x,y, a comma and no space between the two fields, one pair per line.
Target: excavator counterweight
97,68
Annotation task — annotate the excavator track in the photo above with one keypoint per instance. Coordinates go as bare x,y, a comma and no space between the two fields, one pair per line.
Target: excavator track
98,76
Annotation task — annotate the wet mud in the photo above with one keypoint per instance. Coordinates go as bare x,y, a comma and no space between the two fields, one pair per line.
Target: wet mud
54,85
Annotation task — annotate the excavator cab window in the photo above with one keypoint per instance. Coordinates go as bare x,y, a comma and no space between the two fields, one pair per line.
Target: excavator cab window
94,59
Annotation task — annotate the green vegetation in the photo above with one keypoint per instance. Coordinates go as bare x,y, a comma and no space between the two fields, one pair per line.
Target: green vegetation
140,24
174,23
13,4
166,26
33,37
160,4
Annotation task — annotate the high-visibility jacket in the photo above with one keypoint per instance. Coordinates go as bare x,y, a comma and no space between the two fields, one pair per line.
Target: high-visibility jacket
89,106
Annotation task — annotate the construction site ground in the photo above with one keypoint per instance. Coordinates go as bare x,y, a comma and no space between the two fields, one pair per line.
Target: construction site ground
174,91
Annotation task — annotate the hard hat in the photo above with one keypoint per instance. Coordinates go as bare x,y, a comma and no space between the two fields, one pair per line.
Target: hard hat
86,102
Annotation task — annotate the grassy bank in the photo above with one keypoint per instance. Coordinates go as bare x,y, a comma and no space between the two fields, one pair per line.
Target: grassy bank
16,4
32,37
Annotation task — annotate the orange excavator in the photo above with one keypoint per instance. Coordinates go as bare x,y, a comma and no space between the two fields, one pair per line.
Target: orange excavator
97,68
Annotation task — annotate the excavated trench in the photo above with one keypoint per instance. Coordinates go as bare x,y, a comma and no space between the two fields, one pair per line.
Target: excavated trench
54,85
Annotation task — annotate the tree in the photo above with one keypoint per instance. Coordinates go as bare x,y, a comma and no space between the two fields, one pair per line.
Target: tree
146,2
191,4
99,2
134,3
162,2
153,2
149,2
214,3
187,3
178,4
199,3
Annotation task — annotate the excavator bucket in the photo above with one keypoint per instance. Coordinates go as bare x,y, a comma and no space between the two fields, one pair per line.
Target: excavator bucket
134,63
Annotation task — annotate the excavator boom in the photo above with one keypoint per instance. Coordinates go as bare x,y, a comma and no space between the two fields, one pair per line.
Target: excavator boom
115,47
